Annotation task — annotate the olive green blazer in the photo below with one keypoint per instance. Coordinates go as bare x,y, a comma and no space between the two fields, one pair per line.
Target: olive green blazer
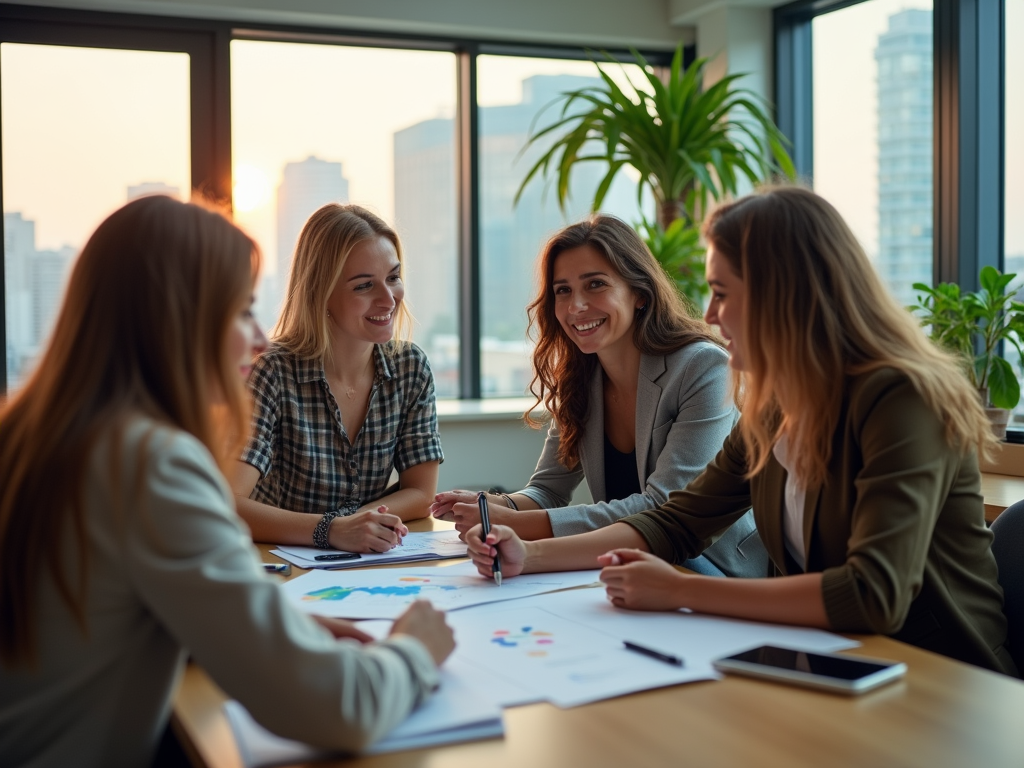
897,529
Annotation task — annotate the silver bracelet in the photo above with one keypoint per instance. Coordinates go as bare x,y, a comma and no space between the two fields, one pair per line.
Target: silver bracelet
509,502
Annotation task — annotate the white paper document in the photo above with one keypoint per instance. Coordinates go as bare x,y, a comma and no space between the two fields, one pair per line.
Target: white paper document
557,660
416,547
455,713
385,594
698,639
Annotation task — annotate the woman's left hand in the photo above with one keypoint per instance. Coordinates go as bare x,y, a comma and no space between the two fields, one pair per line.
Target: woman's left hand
642,582
466,515
341,628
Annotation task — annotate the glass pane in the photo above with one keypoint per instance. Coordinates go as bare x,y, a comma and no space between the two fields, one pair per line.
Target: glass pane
1013,222
313,124
873,132
511,92
84,130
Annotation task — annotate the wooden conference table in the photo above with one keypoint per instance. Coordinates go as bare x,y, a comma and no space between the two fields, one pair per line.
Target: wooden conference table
943,713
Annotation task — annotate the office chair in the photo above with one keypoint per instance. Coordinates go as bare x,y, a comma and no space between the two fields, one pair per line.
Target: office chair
1008,547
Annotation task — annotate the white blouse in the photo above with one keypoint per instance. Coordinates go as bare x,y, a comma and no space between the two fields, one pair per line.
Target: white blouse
793,516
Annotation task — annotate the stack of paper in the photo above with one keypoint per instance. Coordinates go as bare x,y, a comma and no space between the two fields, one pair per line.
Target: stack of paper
455,713
415,547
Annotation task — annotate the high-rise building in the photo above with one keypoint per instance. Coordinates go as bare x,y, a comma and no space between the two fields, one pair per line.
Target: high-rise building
511,235
425,218
19,251
50,271
147,188
904,56
305,186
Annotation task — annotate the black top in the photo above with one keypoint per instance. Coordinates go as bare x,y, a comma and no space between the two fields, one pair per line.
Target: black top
620,478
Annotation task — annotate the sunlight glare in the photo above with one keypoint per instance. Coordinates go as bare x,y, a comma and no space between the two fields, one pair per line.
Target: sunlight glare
251,189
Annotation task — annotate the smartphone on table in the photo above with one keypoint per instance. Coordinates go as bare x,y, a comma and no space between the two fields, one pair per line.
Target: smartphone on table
824,671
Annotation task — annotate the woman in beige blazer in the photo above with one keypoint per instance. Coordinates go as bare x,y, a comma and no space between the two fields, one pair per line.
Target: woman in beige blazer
120,547
857,448
639,394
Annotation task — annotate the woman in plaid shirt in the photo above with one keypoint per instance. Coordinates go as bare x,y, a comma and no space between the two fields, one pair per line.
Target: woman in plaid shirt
339,402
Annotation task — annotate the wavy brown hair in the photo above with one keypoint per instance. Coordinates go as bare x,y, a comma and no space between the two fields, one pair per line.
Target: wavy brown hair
141,331
562,373
816,313
326,240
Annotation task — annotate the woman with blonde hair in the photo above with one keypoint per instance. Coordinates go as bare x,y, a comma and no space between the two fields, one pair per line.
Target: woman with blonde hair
637,390
857,448
119,543
339,400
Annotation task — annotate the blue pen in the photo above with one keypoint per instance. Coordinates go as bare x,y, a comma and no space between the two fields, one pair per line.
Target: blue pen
485,521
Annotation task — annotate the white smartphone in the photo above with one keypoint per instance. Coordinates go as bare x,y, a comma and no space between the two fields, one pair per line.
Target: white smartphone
825,671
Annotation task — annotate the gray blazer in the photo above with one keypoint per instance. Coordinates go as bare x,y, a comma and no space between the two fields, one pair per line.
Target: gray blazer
683,414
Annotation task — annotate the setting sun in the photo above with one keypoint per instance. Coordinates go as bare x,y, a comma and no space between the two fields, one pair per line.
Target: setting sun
251,188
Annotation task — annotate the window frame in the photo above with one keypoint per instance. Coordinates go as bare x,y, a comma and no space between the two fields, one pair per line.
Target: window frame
968,134
208,44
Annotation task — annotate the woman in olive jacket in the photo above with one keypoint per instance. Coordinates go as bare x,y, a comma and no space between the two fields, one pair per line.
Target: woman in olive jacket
857,449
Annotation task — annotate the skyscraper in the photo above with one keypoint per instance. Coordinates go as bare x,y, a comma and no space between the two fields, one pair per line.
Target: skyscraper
19,251
425,219
305,186
904,56
50,271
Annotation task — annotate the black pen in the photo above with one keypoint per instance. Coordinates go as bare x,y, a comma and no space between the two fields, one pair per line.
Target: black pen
485,522
668,659
338,556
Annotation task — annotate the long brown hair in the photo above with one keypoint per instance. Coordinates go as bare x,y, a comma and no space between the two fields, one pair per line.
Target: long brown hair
324,245
141,331
562,373
816,312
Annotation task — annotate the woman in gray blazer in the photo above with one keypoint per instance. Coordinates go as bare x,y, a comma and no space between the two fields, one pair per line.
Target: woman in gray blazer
638,391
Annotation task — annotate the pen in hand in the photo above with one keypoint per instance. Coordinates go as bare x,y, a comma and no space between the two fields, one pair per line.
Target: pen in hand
485,522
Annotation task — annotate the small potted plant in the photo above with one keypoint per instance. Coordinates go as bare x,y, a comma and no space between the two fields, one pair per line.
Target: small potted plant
972,325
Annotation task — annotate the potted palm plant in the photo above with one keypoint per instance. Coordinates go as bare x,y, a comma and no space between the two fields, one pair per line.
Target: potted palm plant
972,325
687,143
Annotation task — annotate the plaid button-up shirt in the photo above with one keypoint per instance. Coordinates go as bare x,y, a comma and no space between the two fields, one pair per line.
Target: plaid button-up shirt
307,462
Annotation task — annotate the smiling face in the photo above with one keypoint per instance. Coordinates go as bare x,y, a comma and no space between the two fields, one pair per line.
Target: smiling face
728,296
593,303
366,297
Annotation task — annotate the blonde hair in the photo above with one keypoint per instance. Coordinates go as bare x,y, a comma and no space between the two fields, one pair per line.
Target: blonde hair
661,325
816,312
142,330
324,245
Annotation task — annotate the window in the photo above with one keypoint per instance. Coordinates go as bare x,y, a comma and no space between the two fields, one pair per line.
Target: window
313,124
1013,173
512,92
84,130
872,113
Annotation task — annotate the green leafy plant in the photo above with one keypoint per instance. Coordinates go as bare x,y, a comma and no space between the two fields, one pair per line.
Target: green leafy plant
972,325
687,143
679,250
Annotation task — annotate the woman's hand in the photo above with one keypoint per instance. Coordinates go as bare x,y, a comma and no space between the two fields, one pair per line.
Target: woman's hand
642,582
424,622
501,540
444,501
465,516
341,628
370,531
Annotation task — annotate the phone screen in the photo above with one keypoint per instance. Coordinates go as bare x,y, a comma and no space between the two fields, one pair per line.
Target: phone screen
812,663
